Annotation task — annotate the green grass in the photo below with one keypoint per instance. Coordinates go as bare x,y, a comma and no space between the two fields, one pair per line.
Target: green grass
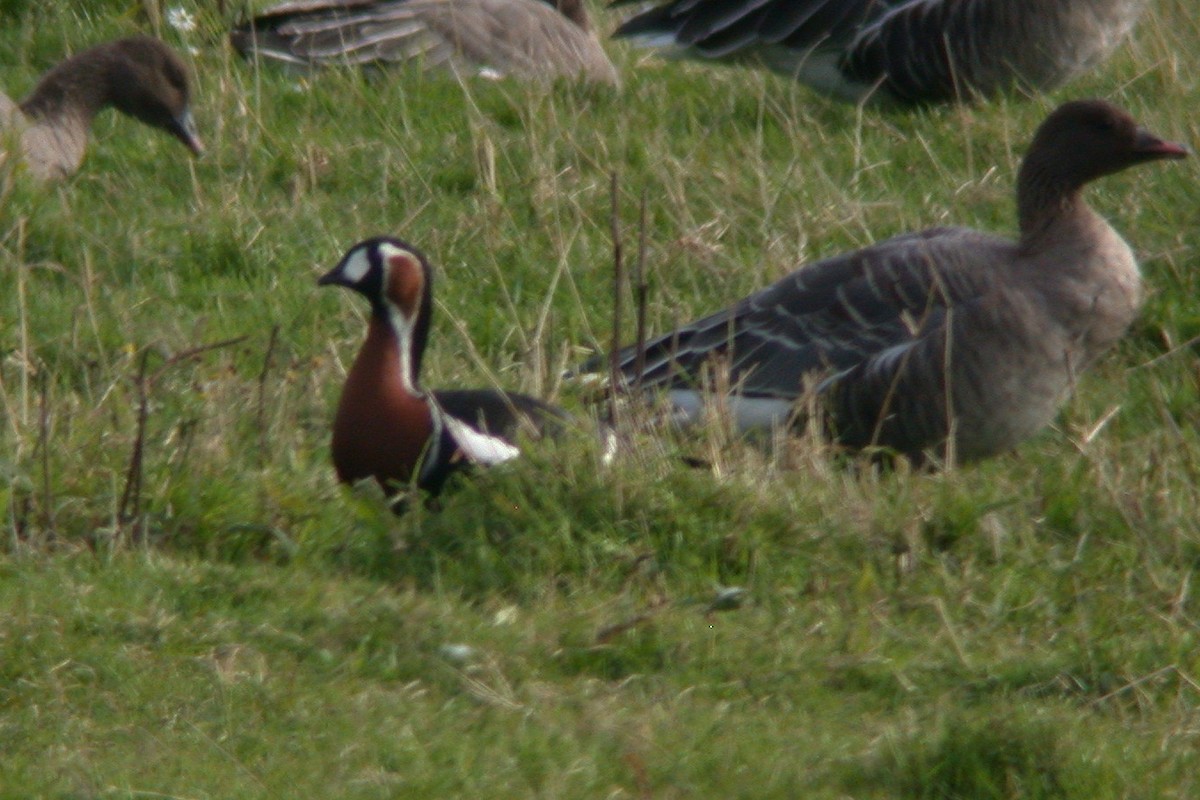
243,627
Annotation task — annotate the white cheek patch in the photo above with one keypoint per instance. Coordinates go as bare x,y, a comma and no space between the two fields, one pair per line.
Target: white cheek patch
477,447
356,266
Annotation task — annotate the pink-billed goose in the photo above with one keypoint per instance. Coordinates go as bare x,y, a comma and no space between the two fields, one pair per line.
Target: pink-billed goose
387,426
527,39
905,51
946,336
138,76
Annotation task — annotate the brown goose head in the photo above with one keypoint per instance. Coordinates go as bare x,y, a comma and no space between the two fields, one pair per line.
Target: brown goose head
1079,142
1087,139
149,82
139,76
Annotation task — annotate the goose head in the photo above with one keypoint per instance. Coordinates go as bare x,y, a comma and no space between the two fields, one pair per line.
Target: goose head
148,81
1087,139
396,280
1079,142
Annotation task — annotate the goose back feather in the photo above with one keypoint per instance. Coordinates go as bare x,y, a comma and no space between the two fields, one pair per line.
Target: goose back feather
948,339
526,39
904,51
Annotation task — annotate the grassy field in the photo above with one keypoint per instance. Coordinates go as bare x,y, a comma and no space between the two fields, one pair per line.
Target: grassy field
193,608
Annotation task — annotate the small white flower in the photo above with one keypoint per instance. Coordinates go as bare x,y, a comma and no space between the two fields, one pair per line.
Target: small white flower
505,616
727,598
181,19
458,653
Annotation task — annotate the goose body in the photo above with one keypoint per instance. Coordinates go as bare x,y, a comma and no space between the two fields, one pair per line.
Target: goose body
525,39
948,339
387,427
139,76
903,51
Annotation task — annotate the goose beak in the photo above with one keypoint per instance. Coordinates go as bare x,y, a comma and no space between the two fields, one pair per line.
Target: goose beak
331,278
184,128
1151,147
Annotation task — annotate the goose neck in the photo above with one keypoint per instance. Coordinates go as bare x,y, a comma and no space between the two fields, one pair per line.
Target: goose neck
392,336
1047,201
75,91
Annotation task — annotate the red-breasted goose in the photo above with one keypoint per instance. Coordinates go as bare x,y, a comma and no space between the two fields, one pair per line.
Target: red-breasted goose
527,39
946,336
138,76
906,51
387,427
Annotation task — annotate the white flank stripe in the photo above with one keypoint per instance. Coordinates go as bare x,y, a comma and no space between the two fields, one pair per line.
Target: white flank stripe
658,41
479,448
749,413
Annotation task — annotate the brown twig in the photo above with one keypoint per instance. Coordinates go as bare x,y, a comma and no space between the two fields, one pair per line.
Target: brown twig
261,412
44,445
192,353
131,497
618,279
130,507
609,632
639,298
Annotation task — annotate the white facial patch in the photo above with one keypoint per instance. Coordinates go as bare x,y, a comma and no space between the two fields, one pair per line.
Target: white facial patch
356,266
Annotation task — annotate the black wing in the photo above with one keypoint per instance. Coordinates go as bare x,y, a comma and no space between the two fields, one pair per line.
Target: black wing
501,413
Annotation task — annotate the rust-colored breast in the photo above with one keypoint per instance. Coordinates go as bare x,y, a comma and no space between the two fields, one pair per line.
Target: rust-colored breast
380,430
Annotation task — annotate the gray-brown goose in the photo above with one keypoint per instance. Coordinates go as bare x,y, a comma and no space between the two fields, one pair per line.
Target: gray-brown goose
906,51
526,39
946,334
139,76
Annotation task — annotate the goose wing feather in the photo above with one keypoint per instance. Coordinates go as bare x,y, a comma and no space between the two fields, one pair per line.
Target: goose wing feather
928,50
830,316
719,28
522,37
914,51
355,33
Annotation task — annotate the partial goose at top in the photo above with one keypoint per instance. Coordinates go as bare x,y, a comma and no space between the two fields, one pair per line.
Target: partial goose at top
949,340
139,76
525,39
902,51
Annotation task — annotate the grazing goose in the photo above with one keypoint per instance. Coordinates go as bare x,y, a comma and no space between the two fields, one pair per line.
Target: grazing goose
139,76
523,38
949,339
387,427
905,51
